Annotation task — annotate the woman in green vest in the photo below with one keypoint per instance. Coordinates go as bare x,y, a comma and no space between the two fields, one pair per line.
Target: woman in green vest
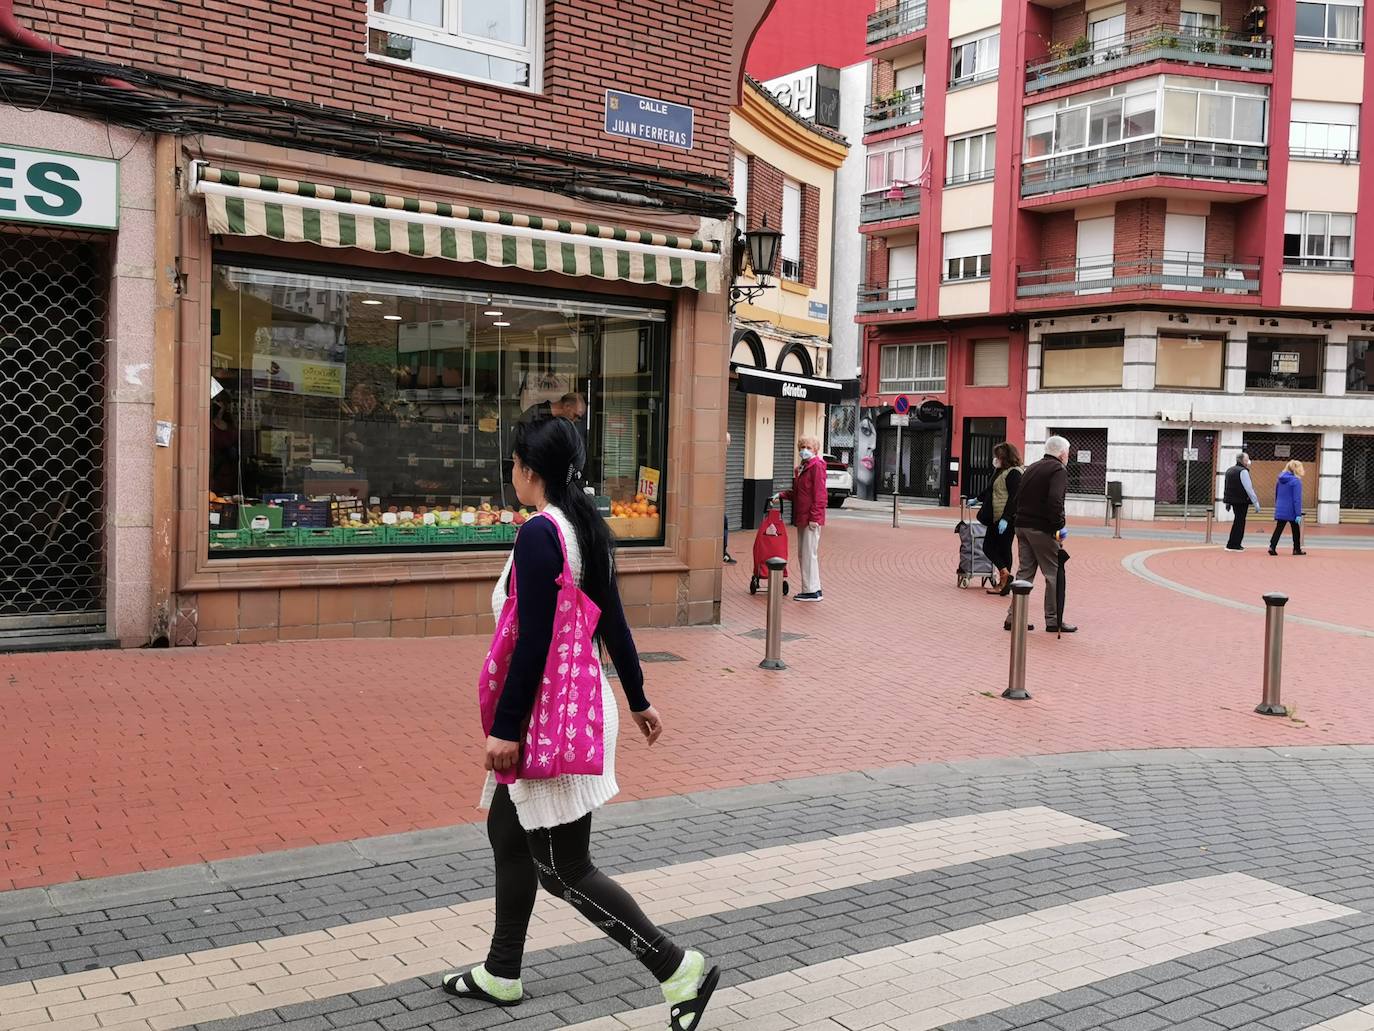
997,544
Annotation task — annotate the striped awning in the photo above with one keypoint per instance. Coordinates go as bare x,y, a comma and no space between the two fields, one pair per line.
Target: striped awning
250,204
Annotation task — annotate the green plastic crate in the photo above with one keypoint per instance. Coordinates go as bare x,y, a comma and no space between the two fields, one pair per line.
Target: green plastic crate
320,537
503,533
288,537
227,540
362,536
455,534
409,535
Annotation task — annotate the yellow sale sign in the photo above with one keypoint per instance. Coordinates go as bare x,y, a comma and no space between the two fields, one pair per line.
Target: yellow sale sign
648,483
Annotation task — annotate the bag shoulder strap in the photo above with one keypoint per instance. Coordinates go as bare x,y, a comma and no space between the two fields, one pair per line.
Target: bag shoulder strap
566,579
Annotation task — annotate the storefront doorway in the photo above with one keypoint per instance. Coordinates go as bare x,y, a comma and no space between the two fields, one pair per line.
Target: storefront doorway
1357,480
784,449
916,473
1185,480
1271,452
980,437
53,298
737,425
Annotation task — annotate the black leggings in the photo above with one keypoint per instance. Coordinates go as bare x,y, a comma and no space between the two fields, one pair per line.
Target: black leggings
560,859
1278,534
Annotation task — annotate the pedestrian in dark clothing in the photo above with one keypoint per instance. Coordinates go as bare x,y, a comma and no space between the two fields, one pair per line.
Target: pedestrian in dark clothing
1239,496
1001,534
1037,512
1288,507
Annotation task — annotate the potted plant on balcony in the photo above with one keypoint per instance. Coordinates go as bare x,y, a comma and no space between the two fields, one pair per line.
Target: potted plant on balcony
1072,53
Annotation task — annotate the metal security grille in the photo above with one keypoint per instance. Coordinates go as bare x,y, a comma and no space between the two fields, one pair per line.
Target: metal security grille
1185,480
1357,480
784,449
734,459
1087,460
1270,454
52,432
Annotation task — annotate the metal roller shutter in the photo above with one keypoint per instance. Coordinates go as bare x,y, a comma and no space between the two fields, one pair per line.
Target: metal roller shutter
734,459
784,448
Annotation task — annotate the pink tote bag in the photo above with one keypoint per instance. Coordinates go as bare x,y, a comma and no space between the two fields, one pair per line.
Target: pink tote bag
566,730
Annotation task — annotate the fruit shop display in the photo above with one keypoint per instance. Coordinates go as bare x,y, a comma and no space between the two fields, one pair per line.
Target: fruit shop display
635,516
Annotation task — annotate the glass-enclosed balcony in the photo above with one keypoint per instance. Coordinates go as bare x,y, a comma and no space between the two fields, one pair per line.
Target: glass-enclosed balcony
901,19
889,205
1086,58
1145,271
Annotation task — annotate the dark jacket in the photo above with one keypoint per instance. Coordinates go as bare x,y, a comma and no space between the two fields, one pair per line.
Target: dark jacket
1038,503
1240,488
1288,498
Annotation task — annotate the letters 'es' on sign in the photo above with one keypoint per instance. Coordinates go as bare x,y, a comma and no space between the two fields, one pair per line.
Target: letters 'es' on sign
650,120
58,189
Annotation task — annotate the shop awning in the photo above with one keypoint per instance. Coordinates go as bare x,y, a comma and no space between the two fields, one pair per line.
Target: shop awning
251,204
789,385
1334,422
1207,418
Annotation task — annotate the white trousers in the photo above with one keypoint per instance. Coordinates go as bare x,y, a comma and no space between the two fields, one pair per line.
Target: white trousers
809,557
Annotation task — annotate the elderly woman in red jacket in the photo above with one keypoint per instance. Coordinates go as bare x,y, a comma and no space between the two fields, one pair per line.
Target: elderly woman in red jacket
808,497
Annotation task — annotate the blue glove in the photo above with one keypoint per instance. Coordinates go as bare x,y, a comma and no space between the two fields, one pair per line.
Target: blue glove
1299,520
1001,526
1064,534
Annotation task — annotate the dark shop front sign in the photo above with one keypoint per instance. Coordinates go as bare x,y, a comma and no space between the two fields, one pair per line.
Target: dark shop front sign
650,120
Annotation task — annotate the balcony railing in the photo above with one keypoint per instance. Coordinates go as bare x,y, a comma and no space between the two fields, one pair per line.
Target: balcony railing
881,207
1228,162
1214,48
899,295
904,107
902,19
1146,270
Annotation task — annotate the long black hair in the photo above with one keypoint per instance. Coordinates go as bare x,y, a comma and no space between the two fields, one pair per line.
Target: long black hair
551,447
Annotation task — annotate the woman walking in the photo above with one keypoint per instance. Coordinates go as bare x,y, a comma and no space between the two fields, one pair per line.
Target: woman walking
1288,507
997,543
540,829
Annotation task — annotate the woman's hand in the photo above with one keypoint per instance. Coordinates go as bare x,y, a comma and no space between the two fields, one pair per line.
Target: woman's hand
502,755
649,724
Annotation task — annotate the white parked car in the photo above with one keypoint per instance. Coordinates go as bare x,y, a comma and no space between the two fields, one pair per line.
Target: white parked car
839,481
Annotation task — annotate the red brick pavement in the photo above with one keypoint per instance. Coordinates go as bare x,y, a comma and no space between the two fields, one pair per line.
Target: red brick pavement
117,762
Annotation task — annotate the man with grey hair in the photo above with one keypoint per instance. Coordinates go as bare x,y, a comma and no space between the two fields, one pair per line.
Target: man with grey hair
1239,496
1037,512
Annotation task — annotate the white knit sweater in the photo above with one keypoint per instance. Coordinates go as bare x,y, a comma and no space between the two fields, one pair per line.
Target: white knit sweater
550,803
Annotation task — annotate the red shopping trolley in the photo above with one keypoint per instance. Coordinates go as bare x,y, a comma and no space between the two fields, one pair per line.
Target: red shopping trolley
769,542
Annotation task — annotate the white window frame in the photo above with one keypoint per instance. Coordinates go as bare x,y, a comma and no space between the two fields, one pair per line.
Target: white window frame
740,186
967,255
532,53
1316,123
985,53
1325,40
1101,41
893,153
961,173
1308,258
790,248
1200,17
930,358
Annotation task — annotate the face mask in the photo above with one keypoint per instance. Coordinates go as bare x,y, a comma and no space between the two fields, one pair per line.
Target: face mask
807,454
997,463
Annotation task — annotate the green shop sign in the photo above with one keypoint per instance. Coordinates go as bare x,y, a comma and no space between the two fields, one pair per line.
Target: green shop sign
58,189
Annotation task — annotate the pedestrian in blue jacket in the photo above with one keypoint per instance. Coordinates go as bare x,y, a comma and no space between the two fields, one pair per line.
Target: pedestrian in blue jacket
1288,507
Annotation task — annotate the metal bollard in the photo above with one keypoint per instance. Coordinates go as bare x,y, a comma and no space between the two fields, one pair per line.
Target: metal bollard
1271,705
1116,534
772,654
896,515
1016,674
1211,518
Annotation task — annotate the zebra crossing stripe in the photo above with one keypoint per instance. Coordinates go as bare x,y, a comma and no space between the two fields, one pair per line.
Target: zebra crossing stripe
979,970
177,991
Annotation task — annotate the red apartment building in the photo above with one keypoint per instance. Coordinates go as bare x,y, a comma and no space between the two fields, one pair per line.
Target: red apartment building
1132,223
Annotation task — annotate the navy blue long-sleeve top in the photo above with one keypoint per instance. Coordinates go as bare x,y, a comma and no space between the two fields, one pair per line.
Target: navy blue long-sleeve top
538,565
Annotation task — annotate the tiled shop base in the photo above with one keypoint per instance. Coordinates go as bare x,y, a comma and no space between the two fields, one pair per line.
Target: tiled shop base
1188,894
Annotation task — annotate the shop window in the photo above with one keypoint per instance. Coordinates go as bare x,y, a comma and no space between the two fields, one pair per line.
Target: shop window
1082,359
1190,362
989,367
1284,363
972,159
1087,464
913,368
1359,368
492,41
1318,239
974,59
1333,26
359,414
